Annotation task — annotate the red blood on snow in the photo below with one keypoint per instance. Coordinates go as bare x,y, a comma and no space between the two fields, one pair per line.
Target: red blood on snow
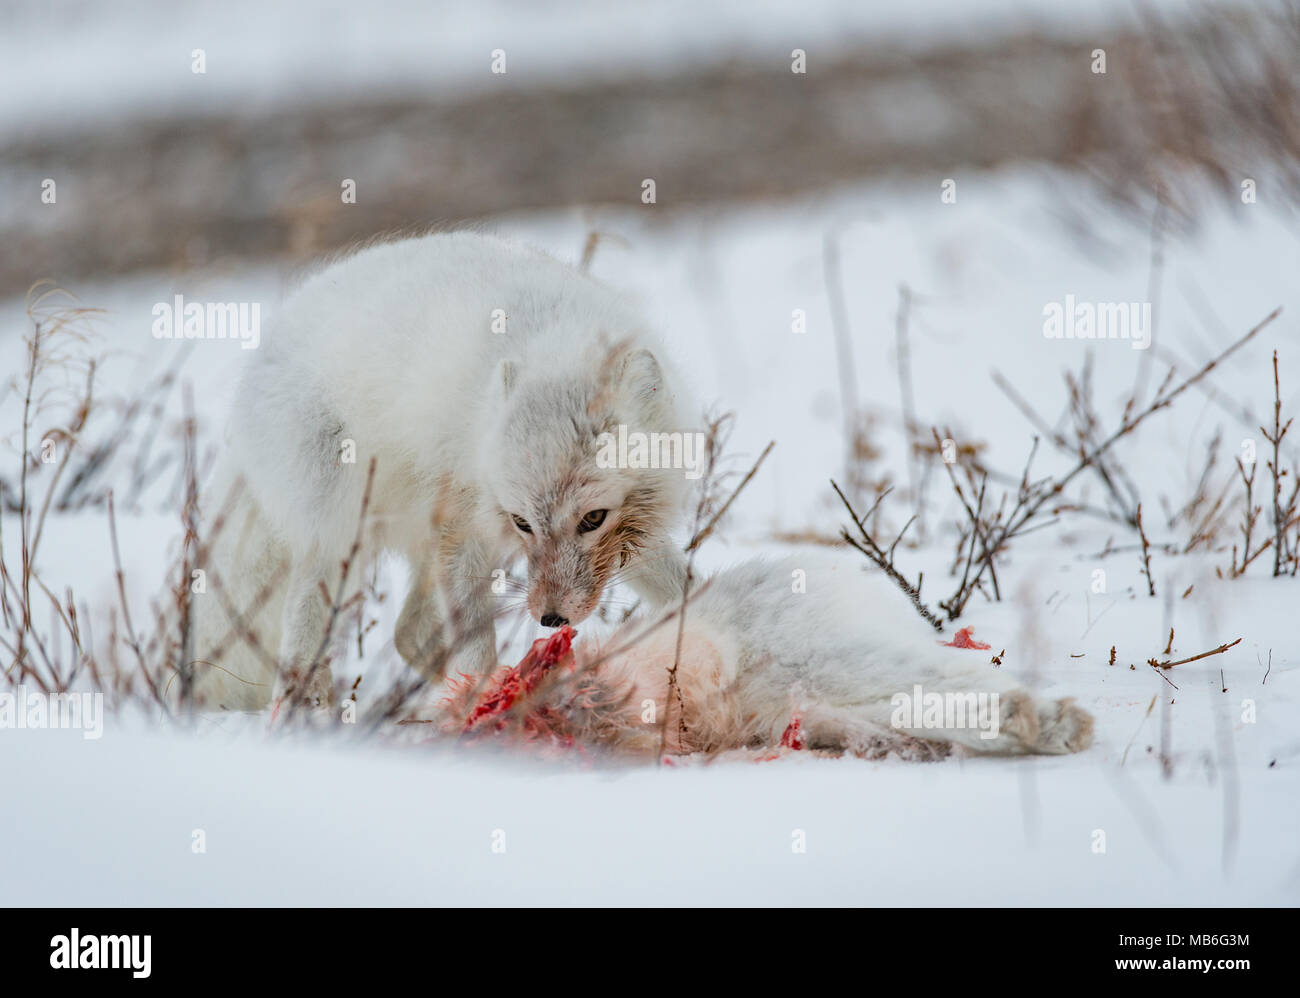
964,640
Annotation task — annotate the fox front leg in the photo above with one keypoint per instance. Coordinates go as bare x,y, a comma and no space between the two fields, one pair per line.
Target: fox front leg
448,617
658,575
305,649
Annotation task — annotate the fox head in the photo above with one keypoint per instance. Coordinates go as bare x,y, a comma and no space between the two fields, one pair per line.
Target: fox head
557,482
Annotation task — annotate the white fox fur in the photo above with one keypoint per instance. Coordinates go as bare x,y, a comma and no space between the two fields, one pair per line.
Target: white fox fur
477,375
757,655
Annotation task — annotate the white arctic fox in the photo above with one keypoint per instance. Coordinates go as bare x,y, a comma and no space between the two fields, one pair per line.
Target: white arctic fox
479,377
840,662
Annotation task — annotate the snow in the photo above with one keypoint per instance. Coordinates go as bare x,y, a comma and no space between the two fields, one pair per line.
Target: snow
334,820
309,824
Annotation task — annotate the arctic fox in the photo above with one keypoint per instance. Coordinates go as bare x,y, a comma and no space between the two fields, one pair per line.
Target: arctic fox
481,379
844,666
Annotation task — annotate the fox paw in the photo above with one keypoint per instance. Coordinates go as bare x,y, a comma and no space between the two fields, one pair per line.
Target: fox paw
316,690
1063,727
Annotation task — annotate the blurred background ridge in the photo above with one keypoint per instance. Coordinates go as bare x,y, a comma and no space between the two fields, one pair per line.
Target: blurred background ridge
160,167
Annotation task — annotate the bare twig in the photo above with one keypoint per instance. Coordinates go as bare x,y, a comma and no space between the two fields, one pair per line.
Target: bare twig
713,446
883,559
703,533
1034,497
843,343
132,641
1146,553
1281,514
1195,658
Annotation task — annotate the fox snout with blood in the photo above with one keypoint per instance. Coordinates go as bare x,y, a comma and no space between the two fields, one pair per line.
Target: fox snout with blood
582,520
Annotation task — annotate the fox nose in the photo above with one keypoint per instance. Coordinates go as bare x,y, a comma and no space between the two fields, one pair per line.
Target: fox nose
554,620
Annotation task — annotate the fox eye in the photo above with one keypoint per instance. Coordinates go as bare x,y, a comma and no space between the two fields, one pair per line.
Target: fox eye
521,523
592,520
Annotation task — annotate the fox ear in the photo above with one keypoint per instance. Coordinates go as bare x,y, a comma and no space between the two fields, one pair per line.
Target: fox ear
642,377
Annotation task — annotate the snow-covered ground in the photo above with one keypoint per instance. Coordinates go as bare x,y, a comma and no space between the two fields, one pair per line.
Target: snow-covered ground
113,823
299,820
